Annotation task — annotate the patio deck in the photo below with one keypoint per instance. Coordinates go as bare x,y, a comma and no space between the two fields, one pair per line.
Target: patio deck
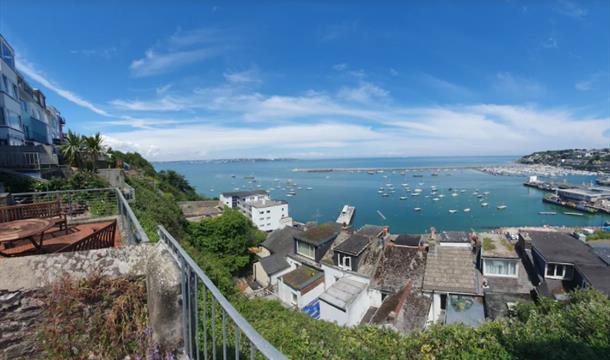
55,239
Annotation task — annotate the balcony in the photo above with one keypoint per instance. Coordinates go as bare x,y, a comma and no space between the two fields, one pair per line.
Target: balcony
209,324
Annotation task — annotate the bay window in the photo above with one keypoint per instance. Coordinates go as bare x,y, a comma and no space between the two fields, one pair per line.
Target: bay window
500,267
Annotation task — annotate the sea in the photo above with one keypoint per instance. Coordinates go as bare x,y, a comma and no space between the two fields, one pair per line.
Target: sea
320,196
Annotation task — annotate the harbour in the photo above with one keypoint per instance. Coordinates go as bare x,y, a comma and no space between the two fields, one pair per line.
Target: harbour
405,205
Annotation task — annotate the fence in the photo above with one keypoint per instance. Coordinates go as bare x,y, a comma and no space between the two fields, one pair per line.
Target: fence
90,204
211,324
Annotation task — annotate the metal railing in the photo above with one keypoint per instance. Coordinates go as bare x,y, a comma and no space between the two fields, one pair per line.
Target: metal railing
87,205
208,316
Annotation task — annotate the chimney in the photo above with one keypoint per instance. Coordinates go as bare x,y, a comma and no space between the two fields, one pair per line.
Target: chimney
385,231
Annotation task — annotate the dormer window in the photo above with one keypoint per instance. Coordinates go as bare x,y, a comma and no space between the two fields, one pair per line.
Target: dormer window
558,271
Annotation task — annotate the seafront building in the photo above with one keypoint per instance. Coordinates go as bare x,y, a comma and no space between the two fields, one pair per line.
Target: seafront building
266,214
29,127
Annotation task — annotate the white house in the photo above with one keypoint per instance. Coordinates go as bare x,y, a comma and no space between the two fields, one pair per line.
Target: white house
265,213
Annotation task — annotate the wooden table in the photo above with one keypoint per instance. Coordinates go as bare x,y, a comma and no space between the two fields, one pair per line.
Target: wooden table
25,229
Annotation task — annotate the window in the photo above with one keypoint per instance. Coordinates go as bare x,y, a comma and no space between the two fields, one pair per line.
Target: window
346,262
499,267
13,119
268,211
2,120
306,250
558,271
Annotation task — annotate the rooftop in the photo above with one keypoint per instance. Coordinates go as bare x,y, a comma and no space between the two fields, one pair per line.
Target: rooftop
319,234
343,292
197,210
451,269
370,230
244,193
354,245
411,316
587,192
281,241
274,263
397,266
301,277
496,304
562,248
601,248
259,204
597,275
496,245
408,240
454,236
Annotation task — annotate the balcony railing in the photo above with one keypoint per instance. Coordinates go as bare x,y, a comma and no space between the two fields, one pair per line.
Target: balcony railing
90,204
212,325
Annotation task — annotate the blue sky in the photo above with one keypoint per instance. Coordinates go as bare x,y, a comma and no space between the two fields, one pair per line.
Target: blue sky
198,80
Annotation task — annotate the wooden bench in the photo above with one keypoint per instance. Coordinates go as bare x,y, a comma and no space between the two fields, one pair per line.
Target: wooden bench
43,210
99,239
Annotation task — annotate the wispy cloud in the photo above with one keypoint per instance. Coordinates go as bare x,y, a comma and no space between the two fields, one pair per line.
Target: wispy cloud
180,49
550,43
240,77
338,31
517,86
591,82
445,86
356,122
105,53
363,93
571,9
30,71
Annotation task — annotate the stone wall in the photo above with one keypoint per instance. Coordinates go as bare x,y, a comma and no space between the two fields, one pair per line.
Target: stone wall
19,311
24,281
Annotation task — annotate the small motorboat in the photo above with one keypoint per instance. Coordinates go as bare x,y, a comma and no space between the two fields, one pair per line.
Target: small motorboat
385,194
467,210
435,199
501,207
452,211
403,198
416,209
484,204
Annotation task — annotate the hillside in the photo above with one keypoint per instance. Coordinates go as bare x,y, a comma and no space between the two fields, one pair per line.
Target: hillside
580,159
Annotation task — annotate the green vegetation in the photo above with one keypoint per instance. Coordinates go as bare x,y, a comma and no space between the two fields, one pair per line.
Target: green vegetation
581,159
82,151
97,317
599,235
488,244
14,183
135,161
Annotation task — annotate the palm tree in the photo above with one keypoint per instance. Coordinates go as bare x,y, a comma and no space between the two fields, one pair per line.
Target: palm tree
73,149
94,147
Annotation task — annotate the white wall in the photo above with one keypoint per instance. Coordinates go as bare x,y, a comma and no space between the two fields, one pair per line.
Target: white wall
259,274
269,218
332,314
226,201
285,294
311,295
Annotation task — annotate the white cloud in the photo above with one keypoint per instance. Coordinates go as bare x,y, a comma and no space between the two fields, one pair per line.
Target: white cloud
445,86
340,67
571,9
247,76
30,71
363,93
512,85
180,49
591,82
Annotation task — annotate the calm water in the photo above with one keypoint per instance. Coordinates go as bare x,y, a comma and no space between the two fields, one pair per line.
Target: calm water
330,191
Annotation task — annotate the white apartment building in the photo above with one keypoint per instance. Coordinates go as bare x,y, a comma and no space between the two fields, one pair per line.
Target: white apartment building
267,214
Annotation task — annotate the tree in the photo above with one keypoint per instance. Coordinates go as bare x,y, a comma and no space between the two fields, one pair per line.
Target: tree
73,149
94,147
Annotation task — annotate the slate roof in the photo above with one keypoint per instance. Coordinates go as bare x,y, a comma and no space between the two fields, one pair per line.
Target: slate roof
274,264
597,275
398,265
411,316
244,193
343,292
370,230
301,277
281,241
354,245
562,248
408,240
319,234
601,248
451,269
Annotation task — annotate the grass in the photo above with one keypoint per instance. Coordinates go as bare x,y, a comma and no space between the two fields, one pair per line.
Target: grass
599,235
488,244
96,317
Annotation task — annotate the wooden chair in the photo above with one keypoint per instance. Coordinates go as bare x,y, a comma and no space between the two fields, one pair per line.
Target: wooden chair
99,239
42,210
